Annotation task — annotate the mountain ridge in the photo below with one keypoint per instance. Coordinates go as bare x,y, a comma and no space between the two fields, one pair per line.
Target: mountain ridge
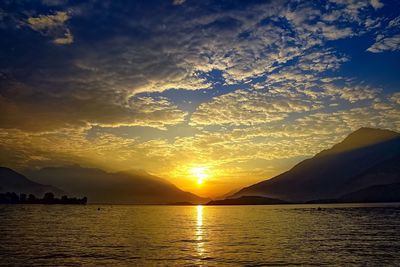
12,181
324,175
114,187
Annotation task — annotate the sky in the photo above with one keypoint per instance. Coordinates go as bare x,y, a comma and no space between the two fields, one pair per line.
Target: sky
211,95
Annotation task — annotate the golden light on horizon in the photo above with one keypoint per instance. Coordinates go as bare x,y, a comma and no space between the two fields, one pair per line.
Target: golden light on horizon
209,178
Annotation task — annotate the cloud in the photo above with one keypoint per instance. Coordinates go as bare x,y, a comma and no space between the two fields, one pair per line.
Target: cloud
178,52
52,25
54,2
154,59
44,22
376,4
394,23
67,39
352,8
321,61
352,93
352,119
248,108
386,44
334,33
35,112
395,98
178,2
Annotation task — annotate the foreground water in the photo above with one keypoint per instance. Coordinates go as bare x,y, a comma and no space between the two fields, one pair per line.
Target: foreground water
40,235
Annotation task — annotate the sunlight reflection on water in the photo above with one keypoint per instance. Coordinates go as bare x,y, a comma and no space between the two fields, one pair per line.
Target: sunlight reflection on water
199,231
39,235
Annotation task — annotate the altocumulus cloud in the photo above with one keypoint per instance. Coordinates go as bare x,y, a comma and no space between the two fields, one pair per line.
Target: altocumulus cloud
248,108
54,26
386,43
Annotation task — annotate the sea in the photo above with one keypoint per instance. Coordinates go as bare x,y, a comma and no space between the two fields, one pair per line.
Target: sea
129,235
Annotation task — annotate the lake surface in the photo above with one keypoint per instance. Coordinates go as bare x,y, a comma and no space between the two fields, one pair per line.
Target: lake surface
57,235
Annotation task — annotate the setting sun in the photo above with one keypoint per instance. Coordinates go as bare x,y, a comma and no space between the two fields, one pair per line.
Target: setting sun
200,173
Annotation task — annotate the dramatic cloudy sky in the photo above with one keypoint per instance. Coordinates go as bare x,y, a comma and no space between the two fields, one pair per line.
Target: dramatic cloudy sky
240,89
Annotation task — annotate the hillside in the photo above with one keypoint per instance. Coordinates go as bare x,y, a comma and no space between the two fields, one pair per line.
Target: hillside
365,158
12,181
119,187
376,193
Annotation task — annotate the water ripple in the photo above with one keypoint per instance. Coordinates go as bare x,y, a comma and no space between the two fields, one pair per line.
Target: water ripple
199,236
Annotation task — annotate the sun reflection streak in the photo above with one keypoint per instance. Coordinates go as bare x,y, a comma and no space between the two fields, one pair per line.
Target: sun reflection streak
199,216
199,231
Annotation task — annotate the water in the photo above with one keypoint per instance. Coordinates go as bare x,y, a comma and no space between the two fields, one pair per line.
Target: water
39,235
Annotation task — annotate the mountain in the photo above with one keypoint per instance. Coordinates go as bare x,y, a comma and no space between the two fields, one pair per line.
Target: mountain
248,200
376,193
371,194
365,158
227,195
12,181
119,187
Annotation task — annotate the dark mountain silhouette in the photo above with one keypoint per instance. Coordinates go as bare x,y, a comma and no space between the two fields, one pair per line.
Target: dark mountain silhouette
376,193
12,181
365,158
248,200
371,194
227,195
385,172
119,187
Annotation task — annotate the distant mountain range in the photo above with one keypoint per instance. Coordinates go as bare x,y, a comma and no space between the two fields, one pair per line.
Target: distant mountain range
365,166
12,181
134,187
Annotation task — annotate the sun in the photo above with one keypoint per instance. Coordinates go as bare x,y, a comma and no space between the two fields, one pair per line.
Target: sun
200,173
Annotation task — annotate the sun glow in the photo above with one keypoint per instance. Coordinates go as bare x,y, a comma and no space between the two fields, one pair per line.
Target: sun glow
200,173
